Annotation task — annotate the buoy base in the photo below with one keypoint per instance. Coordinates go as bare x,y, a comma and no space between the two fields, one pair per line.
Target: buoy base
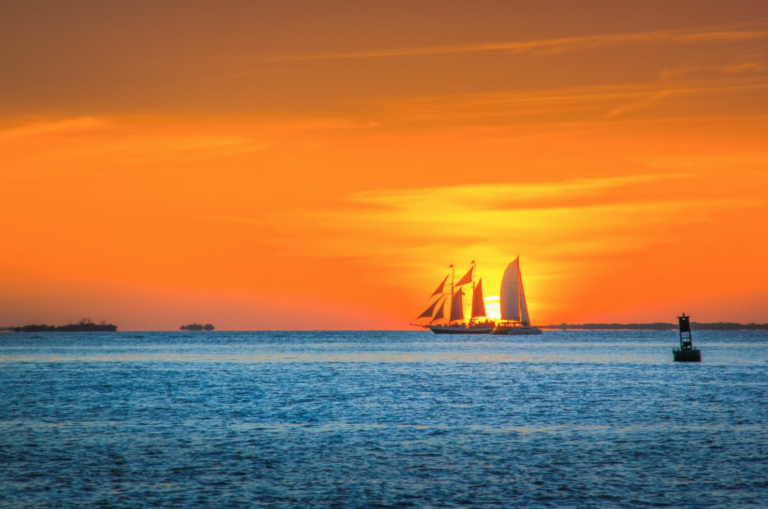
687,354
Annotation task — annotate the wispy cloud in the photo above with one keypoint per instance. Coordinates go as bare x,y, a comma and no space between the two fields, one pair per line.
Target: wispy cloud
550,218
90,139
556,45
238,66
74,125
639,104
739,68
503,195
696,162
745,68
563,109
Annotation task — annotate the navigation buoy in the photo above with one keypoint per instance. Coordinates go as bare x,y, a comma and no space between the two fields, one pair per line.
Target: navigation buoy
686,352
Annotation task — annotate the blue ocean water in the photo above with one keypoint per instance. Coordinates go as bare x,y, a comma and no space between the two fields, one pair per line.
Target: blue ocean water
382,419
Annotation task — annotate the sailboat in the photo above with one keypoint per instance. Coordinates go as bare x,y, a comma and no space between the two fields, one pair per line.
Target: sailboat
456,323
515,319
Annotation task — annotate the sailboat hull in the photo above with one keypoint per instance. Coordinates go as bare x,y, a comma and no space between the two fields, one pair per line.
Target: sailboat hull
516,331
460,329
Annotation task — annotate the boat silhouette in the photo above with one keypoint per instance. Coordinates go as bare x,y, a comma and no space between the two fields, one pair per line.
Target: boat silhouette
515,319
456,323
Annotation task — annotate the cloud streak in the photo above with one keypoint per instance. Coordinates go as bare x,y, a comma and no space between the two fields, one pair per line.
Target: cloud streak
557,45
573,216
709,35
639,104
74,125
98,141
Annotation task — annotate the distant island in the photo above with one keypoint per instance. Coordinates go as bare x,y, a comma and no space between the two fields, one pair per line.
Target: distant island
197,326
658,326
84,325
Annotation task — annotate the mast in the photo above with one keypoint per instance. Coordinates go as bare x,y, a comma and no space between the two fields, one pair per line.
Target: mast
519,304
465,280
453,270
474,266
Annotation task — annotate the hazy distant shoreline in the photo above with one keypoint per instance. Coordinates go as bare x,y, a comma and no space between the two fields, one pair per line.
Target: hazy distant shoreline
73,327
723,326
657,326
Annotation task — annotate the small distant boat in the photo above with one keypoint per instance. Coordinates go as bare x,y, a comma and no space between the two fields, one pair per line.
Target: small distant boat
515,320
456,323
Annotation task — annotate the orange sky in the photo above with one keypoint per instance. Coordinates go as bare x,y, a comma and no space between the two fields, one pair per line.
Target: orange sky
318,165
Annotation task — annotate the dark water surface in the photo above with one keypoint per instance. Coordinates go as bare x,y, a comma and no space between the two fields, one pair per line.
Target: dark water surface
382,419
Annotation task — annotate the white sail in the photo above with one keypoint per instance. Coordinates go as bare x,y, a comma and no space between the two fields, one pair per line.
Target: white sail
510,293
524,318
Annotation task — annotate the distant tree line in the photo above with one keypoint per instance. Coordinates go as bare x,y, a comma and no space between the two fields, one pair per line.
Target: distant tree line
659,326
84,325
197,326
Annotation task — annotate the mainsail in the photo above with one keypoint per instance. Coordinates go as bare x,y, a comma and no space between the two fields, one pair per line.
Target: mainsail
513,304
510,295
457,306
478,306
